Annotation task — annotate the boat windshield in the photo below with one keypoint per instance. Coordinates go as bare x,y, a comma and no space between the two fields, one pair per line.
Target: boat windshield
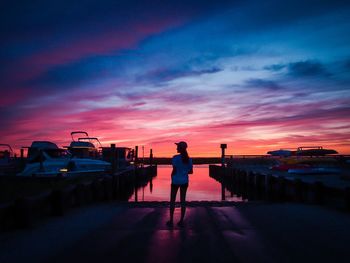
4,154
57,153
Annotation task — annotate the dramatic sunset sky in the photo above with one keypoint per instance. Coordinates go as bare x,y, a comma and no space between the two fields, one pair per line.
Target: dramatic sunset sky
257,75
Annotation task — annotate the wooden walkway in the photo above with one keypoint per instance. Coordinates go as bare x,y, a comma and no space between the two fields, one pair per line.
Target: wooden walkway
244,232
330,180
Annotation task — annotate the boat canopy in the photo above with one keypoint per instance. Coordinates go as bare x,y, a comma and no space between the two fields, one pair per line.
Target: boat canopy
81,144
303,151
280,152
44,145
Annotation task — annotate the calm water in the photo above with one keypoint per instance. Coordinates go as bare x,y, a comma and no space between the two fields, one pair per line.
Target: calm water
201,187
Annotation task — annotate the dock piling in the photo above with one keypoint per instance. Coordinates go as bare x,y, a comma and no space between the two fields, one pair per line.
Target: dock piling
223,146
150,157
347,198
136,155
318,193
281,188
113,158
298,190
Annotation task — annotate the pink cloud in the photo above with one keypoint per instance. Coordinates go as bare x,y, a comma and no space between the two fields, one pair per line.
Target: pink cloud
169,120
101,43
14,95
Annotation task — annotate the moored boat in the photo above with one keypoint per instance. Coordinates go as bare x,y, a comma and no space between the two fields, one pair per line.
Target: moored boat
124,156
46,159
315,170
281,153
7,160
287,167
84,147
303,151
314,151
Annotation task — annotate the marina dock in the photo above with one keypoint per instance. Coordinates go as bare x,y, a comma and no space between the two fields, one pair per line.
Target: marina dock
255,180
230,232
32,199
115,113
276,219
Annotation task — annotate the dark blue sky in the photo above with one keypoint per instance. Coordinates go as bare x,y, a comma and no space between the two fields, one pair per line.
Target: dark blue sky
255,74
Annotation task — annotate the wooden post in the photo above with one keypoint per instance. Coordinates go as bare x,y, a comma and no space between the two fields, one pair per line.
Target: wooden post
259,184
298,190
135,193
281,184
223,147
113,158
318,192
22,163
347,198
136,155
150,157
223,198
223,178
251,179
257,181
269,187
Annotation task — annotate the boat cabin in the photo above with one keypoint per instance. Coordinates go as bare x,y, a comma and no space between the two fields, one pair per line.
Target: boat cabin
6,152
84,147
7,160
123,156
50,148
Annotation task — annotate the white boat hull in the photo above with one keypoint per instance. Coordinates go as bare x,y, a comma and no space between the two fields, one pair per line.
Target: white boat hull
316,170
65,167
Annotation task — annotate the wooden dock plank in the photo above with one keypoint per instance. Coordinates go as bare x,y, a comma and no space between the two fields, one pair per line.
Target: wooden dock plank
245,232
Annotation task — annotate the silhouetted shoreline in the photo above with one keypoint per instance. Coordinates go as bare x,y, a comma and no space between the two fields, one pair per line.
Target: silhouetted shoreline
196,160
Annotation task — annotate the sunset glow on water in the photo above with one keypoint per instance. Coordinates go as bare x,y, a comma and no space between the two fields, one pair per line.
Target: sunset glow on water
201,187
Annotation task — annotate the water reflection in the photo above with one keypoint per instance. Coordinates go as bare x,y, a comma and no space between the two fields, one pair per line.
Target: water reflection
201,187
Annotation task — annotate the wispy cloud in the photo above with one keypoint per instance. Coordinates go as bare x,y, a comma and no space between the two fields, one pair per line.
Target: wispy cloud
307,68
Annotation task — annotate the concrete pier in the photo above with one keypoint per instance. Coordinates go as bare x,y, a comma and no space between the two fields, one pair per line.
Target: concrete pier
230,232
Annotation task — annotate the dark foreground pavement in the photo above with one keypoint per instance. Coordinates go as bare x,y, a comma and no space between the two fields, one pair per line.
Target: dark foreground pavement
245,232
